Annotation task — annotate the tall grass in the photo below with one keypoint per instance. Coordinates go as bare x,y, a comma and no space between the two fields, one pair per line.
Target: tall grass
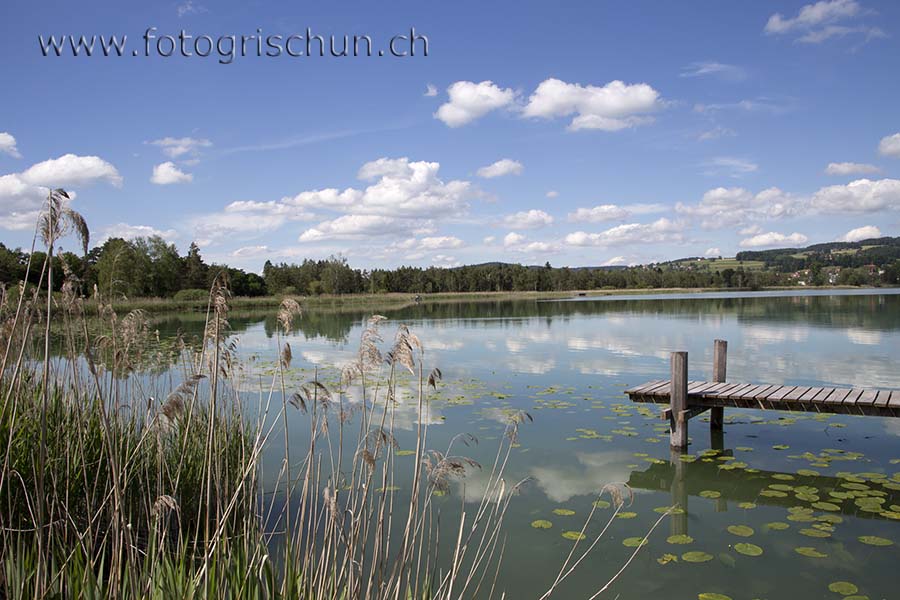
121,483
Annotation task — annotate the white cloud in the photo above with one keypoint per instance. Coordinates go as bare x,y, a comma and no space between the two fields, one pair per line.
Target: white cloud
505,166
130,232
862,195
189,8
861,233
726,207
750,230
715,133
528,219
890,145
246,218
820,21
552,194
251,251
512,239
8,145
712,252
756,105
712,68
772,238
167,173
615,261
598,214
70,169
730,166
430,91
357,226
178,147
489,239
470,101
661,230
440,243
612,107
850,168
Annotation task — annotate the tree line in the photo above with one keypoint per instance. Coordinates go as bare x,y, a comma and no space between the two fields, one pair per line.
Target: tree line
152,267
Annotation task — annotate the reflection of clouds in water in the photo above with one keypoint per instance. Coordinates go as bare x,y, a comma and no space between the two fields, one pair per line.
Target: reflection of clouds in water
760,335
437,344
592,471
533,366
514,345
405,408
892,426
863,337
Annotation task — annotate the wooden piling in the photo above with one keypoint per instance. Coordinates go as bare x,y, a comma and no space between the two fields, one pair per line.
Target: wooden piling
720,358
678,421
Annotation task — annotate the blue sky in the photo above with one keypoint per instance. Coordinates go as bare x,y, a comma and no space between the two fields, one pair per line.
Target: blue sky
581,133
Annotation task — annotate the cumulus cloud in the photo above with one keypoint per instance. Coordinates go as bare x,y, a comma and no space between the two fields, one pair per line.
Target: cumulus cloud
70,169
715,133
22,194
598,214
181,147
251,251
611,107
862,195
712,252
713,68
861,233
528,219
358,226
724,207
440,242
661,230
430,91
512,238
772,238
505,166
850,168
130,232
246,218
168,173
821,21
890,145
552,194
8,145
615,261
469,101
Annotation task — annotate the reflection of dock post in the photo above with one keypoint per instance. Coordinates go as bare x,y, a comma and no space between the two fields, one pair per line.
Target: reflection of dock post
678,417
679,521
717,413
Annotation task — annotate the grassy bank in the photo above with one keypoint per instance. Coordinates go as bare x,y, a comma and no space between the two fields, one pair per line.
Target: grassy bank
375,302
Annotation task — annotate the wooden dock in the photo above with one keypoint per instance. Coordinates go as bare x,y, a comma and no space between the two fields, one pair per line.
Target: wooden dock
687,399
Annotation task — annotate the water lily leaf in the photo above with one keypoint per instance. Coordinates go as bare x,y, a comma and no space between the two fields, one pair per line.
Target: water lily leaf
680,538
783,476
712,596
666,559
826,506
780,447
844,588
541,524
809,552
601,504
563,512
696,557
777,526
773,494
874,540
404,452
740,530
573,535
816,533
634,542
748,549
710,494
747,505
627,515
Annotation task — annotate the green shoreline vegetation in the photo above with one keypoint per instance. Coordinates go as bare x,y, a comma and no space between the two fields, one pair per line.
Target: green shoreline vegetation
108,492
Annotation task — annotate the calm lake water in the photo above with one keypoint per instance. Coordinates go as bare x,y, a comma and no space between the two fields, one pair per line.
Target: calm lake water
806,490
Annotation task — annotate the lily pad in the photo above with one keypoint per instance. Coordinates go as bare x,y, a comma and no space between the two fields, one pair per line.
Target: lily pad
809,552
563,512
748,549
696,557
601,504
844,588
634,542
666,559
573,535
816,533
747,505
680,538
740,530
627,515
874,540
712,596
541,524
710,494
826,506
777,526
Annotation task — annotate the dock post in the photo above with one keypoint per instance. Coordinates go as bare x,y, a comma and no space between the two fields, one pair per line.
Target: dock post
720,358
678,425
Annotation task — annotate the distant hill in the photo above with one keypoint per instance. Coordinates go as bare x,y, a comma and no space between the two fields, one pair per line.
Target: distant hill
875,251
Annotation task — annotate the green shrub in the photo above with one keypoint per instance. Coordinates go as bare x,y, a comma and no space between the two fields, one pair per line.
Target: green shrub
191,295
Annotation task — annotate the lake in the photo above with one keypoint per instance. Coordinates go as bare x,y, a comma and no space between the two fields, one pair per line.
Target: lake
790,502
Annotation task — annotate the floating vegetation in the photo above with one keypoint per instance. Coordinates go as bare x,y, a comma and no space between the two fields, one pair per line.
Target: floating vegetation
777,526
816,533
696,557
573,535
541,524
874,540
672,510
747,505
712,596
740,530
826,506
563,512
404,452
710,494
680,538
627,515
667,558
634,542
748,549
844,588
809,552
601,504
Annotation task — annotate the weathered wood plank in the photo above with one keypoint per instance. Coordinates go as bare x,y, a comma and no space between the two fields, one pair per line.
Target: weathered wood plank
810,394
643,386
797,392
867,398
883,398
780,394
837,396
